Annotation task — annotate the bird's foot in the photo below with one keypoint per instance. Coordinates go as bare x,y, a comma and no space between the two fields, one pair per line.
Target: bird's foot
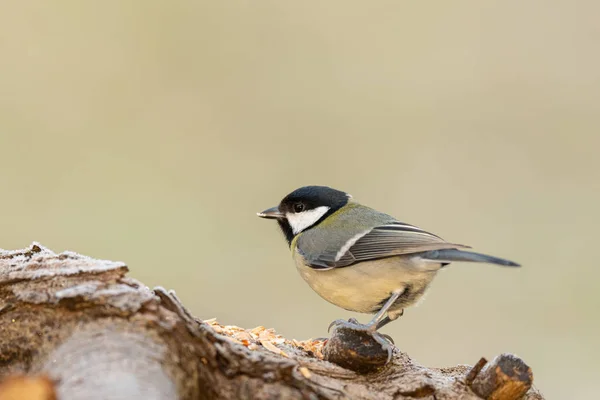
352,323
365,331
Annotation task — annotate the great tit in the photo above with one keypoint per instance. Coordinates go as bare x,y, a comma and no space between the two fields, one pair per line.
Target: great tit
361,259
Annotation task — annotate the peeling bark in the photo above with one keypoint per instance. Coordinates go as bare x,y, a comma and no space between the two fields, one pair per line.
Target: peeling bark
98,334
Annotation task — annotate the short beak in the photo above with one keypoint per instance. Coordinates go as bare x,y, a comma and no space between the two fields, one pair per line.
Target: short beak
271,213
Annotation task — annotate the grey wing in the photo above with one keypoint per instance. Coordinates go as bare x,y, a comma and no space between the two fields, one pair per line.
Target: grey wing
392,239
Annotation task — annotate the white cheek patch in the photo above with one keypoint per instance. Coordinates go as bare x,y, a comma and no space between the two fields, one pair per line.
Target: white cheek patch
305,219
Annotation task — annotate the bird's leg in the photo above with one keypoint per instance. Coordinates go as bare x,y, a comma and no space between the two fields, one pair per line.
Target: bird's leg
375,323
389,318
379,320
384,322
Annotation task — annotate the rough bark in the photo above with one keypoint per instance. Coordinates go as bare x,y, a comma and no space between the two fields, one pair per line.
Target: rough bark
94,333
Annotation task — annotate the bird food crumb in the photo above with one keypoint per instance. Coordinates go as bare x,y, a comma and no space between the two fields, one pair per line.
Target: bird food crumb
305,372
265,337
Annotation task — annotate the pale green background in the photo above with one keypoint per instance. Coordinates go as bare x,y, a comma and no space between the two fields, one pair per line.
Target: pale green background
152,131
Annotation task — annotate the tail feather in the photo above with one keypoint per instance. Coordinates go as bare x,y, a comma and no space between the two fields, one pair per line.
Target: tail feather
450,255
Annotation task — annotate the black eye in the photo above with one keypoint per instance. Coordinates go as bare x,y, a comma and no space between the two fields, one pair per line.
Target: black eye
298,207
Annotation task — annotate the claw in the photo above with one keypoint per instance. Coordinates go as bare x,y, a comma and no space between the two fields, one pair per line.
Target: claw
388,338
352,323
379,338
336,322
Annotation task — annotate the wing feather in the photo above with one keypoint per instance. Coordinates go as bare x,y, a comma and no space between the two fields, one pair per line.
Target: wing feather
391,239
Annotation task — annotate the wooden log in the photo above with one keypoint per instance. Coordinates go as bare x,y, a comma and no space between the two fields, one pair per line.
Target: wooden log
97,334
507,377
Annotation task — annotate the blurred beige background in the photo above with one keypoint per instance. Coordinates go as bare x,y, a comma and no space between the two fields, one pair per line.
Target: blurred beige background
152,132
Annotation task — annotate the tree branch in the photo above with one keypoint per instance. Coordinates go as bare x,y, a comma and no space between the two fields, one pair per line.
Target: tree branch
98,334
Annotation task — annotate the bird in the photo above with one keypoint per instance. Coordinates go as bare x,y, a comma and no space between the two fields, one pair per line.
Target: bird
361,259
